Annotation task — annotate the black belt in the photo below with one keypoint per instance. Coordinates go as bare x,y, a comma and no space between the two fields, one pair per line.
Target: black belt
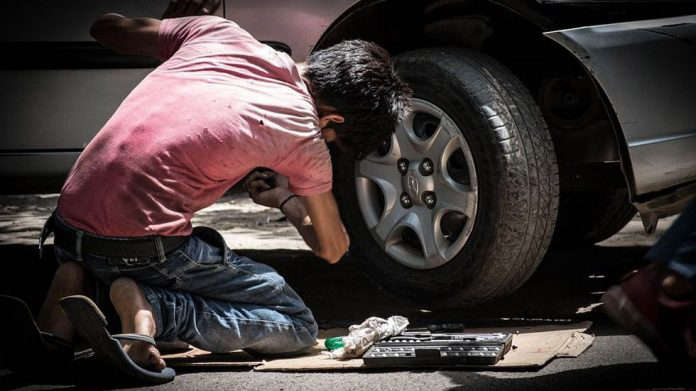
84,243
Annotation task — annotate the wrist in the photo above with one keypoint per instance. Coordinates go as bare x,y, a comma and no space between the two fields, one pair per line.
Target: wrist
285,201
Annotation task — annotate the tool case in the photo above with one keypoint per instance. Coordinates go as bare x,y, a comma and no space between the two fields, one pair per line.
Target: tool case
438,349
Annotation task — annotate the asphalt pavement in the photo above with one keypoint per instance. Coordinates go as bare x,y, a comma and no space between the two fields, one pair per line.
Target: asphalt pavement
565,289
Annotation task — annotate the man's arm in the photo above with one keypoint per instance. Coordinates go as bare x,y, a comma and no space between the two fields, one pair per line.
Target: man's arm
317,220
127,35
316,217
139,35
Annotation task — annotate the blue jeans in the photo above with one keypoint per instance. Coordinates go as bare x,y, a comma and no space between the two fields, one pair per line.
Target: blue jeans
677,247
212,298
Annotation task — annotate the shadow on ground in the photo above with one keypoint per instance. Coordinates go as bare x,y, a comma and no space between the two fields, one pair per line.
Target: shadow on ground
566,288
638,376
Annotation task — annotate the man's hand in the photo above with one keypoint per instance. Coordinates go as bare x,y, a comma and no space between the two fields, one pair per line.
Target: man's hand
267,188
180,8
316,217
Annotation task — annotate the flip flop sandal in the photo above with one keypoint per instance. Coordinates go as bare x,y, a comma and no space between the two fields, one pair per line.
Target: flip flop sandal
26,347
91,324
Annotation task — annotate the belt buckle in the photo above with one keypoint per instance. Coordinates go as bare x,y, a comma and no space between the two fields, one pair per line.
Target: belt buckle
134,261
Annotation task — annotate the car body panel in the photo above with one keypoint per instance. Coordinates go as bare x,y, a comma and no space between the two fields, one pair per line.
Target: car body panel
41,165
59,86
646,70
61,21
299,23
64,108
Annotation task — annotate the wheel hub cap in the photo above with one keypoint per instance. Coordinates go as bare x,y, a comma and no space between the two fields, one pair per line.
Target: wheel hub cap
419,196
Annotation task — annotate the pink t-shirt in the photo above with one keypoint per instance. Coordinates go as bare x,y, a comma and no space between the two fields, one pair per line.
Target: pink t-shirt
220,105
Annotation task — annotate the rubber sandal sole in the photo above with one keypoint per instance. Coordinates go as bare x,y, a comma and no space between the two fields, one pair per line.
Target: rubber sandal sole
91,324
26,347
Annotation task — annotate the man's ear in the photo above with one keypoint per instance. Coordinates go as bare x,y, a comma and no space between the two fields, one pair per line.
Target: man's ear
325,120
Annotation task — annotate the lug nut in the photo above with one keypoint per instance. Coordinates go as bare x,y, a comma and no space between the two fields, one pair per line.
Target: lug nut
402,165
429,199
406,201
426,167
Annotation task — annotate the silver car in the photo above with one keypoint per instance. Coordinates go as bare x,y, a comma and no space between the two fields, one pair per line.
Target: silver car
535,123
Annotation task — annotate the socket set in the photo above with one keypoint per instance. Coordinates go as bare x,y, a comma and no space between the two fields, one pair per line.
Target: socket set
438,349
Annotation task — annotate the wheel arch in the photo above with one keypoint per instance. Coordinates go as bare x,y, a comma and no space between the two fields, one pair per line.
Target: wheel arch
512,33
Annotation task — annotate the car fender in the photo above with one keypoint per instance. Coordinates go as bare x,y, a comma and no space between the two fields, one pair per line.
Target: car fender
646,71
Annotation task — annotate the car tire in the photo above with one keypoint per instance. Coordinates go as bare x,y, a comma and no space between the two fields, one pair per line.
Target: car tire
510,154
585,218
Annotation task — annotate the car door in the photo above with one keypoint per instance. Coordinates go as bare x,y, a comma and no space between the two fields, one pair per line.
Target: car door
58,86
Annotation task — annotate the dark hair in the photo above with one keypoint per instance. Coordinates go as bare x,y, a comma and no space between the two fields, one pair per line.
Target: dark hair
358,79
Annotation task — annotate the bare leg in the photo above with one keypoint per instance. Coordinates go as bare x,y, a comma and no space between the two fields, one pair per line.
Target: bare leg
136,317
70,279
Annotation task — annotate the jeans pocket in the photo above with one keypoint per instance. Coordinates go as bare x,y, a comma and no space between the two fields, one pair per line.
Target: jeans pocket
200,266
206,247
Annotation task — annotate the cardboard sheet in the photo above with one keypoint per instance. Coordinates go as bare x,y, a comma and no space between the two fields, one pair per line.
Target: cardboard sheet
533,346
201,358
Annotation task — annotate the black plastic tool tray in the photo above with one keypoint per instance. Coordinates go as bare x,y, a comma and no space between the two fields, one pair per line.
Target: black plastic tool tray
430,349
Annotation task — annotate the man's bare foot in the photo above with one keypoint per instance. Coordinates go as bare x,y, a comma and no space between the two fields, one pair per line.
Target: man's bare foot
70,279
136,317
145,355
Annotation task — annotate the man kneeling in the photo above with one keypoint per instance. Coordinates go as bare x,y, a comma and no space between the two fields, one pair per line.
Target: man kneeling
220,105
